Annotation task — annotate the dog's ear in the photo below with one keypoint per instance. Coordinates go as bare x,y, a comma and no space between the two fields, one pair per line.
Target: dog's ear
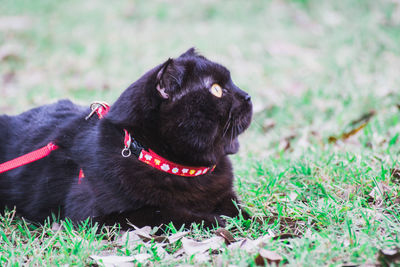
169,78
191,52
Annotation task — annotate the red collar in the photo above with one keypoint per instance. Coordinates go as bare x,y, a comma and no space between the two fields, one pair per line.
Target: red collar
149,157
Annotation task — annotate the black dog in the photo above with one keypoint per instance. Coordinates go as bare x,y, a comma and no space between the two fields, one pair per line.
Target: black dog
187,110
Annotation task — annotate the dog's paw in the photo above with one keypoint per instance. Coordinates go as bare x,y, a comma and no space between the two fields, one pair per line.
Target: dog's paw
214,221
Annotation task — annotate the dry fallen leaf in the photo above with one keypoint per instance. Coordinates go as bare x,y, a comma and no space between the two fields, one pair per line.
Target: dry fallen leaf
175,237
357,125
259,260
226,235
364,118
269,256
192,247
352,132
284,144
143,233
249,245
129,238
120,261
346,135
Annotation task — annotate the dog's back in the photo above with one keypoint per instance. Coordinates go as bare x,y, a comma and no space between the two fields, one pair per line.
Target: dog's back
25,133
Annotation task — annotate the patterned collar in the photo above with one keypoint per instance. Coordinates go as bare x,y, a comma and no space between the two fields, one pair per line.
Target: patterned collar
148,156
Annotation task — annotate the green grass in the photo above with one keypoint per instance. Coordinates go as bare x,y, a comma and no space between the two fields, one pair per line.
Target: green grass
312,68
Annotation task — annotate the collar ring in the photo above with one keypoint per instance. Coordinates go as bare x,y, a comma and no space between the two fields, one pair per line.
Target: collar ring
126,152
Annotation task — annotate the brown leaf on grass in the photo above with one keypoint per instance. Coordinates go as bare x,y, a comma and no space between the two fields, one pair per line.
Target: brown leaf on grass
271,257
357,125
332,139
229,239
395,173
259,260
352,132
389,257
364,118
249,245
284,144
132,238
346,135
192,247
143,233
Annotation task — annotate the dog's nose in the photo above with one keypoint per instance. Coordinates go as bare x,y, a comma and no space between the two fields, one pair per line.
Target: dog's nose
247,97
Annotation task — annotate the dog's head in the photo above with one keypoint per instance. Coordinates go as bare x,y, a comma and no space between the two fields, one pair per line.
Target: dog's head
187,108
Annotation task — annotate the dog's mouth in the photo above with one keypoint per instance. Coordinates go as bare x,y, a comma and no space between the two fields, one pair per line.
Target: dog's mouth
232,147
235,126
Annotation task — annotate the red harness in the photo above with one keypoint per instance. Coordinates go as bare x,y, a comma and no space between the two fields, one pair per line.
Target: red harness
28,158
149,157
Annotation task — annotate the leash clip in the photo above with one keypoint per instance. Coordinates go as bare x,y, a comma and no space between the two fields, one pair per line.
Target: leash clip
98,107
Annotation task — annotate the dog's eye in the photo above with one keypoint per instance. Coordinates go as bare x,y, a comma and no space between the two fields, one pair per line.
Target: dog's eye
216,90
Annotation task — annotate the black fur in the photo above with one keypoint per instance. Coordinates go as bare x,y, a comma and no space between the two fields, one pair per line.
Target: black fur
170,110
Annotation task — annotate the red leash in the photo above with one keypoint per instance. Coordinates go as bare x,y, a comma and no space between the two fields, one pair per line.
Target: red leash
99,107
28,158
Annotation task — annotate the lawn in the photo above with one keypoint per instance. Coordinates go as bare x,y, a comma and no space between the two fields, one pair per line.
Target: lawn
319,167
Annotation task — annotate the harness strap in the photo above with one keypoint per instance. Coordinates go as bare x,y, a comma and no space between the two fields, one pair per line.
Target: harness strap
28,158
100,108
